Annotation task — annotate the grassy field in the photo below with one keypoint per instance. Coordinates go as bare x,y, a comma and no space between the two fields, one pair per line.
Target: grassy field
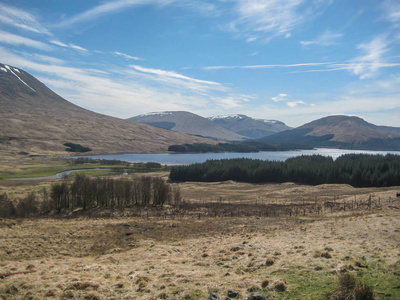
41,167
113,255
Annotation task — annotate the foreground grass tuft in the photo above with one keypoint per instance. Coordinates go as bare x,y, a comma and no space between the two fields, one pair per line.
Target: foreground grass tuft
348,288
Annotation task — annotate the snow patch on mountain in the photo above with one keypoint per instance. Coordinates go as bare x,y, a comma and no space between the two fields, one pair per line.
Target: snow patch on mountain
238,117
166,113
12,72
267,121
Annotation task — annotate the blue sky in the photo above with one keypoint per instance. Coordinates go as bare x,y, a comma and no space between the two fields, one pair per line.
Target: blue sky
288,60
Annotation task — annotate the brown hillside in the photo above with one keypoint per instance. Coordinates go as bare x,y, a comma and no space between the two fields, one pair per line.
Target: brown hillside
345,129
35,120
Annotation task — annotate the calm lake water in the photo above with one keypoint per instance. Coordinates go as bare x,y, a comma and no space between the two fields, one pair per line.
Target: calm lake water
190,158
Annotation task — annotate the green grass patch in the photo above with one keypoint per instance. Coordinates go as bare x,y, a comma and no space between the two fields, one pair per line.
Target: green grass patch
317,284
93,172
51,167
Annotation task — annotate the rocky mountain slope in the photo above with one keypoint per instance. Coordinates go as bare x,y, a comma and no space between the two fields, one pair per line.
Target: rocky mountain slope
35,120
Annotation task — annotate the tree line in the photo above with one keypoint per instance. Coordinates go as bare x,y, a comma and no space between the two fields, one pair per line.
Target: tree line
71,147
358,170
85,192
242,147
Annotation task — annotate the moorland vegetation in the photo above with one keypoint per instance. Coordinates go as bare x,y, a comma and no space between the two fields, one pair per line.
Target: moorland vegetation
130,236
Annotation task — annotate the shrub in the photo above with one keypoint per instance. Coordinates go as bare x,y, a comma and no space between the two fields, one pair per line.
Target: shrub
28,205
280,285
7,208
325,254
348,288
269,262
265,283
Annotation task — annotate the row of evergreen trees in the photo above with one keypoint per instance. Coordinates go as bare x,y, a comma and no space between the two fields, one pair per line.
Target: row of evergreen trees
244,147
358,170
85,192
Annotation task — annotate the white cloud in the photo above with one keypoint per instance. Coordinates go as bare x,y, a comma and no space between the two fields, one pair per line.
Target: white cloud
12,39
111,7
72,46
280,97
44,58
100,10
126,55
176,79
58,43
285,97
295,103
78,48
229,103
266,66
326,39
392,11
367,65
19,18
261,19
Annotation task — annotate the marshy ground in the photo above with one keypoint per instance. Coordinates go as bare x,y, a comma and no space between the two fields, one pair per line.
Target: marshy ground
118,255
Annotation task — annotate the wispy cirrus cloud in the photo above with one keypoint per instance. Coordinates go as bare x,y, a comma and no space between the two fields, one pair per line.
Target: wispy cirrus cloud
173,78
79,48
16,17
260,19
392,11
127,56
112,7
58,43
72,46
373,58
106,8
328,38
350,67
13,39
367,65
267,66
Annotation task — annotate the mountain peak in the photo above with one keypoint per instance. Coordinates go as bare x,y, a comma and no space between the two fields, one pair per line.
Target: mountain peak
249,127
340,131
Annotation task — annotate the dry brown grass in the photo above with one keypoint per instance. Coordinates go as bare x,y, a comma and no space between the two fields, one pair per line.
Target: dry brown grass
187,257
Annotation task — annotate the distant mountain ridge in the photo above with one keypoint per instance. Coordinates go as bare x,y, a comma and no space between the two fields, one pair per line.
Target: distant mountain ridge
35,120
249,127
340,132
228,128
186,122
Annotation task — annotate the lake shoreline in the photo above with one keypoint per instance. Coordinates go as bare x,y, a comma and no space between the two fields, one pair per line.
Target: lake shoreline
172,159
